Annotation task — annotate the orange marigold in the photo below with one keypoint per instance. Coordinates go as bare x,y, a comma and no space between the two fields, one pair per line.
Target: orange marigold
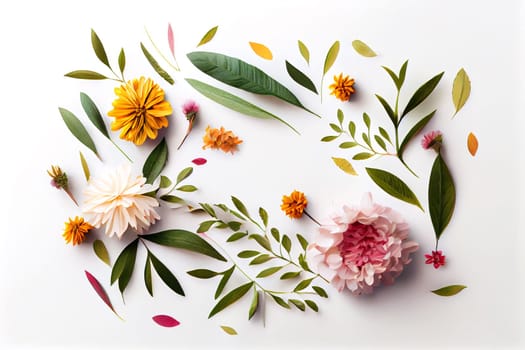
294,204
342,87
221,139
76,230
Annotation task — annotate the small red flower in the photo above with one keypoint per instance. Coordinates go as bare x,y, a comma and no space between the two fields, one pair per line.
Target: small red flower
437,258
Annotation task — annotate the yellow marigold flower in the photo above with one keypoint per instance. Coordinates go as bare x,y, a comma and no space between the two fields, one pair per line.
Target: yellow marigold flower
76,230
221,139
342,87
294,204
139,110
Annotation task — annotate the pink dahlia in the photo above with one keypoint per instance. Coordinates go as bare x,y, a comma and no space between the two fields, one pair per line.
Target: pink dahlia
432,139
360,248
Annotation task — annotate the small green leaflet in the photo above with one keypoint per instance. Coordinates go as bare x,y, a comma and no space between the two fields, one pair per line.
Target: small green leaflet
147,276
298,304
363,49
304,51
93,113
449,291
229,330
77,129
208,36
203,273
85,167
184,174
122,61
460,90
269,271
100,250
224,280
233,102
155,162
393,185
344,165
441,196
156,66
99,48
254,305
300,78
85,74
165,181
264,216
422,93
230,298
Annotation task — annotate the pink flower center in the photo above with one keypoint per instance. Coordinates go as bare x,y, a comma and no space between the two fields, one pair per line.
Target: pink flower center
362,244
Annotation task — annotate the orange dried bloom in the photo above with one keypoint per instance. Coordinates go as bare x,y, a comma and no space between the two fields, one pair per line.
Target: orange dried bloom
221,139
342,87
76,230
294,204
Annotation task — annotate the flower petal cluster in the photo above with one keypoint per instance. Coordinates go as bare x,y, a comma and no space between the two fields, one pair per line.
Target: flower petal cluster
119,200
362,247
294,204
75,230
221,139
343,87
436,258
432,139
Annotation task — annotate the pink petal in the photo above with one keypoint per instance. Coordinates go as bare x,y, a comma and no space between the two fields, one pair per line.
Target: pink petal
199,161
170,39
165,321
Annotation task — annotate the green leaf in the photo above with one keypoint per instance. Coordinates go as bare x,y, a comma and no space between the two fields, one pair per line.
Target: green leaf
340,116
402,73
184,174
312,305
286,243
362,156
203,273
156,66
366,139
335,128
290,275
460,90
384,134
147,276
254,305
393,185
224,280
263,241
388,109
206,225
236,236
208,36
441,196
366,119
165,181
320,291
413,132
331,56
280,301
275,234
155,162
85,167
172,199
124,265
303,284
329,138
421,94
101,251
394,77
166,275
208,209
229,330
240,206
99,48
230,298
261,259
303,262
85,74
298,304
93,113
248,254
300,78
380,142
269,271
187,188
351,128
77,129
121,61
304,51
346,145
449,290
363,49
242,75
344,165
302,241
184,240
264,216
233,102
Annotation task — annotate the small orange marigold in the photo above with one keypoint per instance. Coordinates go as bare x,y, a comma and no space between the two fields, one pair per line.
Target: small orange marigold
294,204
76,230
221,139
342,87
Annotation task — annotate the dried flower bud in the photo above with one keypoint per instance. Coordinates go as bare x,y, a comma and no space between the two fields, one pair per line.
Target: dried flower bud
432,139
58,177
190,109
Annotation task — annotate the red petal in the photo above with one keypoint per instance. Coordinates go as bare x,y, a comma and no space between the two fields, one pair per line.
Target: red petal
165,321
100,291
170,39
199,161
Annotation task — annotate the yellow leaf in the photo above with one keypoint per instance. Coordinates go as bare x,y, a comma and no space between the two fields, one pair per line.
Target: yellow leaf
472,144
229,330
261,50
344,165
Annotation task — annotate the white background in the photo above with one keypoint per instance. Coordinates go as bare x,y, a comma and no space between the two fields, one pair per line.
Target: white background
45,298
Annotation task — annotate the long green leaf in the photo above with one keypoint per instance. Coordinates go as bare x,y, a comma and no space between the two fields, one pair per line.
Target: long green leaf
363,49
166,275
449,291
254,305
393,185
303,49
240,74
101,251
413,132
99,48
203,273
230,298
402,74
156,66
460,90
394,77
208,36
224,280
184,240
155,162
388,109
147,276
93,113
124,265
441,196
77,129
233,102
85,74
331,56
422,93
300,78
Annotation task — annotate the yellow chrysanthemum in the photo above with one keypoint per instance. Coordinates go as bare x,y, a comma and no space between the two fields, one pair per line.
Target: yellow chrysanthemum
139,110
76,230
342,87
221,139
294,204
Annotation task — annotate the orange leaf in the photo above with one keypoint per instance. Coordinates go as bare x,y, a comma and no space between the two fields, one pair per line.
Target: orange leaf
261,50
472,144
